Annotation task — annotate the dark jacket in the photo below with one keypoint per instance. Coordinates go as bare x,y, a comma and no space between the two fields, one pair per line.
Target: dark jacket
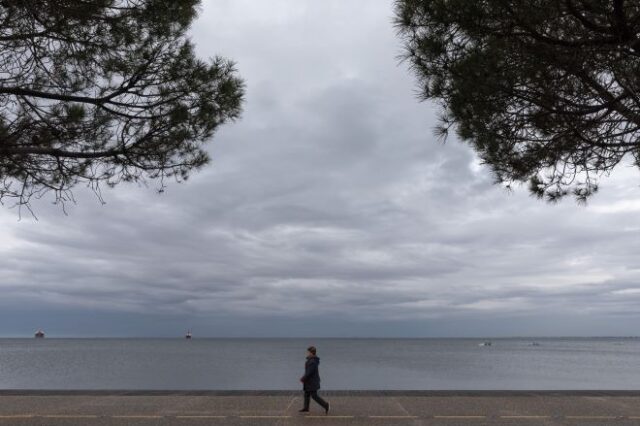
311,378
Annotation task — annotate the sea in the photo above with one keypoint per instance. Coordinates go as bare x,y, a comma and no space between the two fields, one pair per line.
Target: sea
346,364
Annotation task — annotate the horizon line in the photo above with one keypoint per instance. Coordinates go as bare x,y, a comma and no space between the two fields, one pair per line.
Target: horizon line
182,337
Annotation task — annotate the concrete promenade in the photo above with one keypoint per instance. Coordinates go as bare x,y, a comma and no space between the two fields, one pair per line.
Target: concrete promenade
194,408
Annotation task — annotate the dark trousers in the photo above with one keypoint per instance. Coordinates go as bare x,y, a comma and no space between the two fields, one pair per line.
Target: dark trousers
316,398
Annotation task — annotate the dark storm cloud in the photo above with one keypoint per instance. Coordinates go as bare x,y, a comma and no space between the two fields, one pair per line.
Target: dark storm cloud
329,199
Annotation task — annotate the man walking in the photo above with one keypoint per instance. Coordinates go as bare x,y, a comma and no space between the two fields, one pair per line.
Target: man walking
311,381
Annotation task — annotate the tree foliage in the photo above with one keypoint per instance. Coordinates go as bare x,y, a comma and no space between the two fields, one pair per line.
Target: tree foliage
104,91
546,91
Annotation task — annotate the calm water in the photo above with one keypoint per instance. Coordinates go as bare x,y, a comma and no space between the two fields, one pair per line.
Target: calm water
346,364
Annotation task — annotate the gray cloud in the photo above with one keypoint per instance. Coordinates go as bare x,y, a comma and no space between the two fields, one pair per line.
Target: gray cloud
330,199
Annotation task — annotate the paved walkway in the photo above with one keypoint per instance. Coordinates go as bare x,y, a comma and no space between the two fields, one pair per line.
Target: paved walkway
347,408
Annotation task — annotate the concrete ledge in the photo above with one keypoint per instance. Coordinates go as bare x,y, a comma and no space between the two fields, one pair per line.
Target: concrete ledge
339,393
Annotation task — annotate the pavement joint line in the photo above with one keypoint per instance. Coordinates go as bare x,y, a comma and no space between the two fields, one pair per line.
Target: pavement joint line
393,417
592,417
203,416
200,417
524,417
459,417
69,416
137,417
264,417
286,410
404,410
313,416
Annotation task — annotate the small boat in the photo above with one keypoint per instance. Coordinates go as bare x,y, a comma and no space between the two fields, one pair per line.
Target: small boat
535,344
485,344
39,334
188,335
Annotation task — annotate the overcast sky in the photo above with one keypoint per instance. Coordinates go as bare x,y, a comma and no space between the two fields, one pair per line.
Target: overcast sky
329,210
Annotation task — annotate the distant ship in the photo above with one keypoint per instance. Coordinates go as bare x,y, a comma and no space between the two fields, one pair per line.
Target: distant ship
188,335
39,334
485,344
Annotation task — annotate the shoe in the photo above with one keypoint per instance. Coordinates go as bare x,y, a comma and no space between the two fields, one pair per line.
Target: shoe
326,410
303,411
